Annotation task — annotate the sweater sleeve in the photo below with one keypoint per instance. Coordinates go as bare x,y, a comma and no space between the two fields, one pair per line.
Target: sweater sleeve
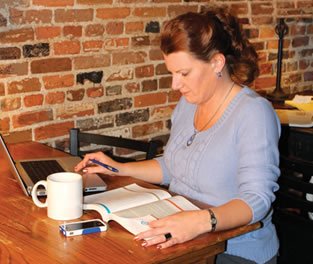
257,142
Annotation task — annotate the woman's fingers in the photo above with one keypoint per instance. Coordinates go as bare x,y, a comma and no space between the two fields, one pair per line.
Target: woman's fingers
84,163
171,230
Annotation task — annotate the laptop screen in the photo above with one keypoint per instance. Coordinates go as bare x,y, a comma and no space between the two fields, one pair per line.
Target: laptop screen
6,154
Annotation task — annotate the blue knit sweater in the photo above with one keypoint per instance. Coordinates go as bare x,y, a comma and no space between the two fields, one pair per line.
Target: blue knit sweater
237,158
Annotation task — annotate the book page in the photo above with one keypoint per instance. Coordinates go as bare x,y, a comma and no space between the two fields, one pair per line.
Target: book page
122,198
134,225
133,219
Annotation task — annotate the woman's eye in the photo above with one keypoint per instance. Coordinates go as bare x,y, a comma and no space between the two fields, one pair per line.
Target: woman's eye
185,74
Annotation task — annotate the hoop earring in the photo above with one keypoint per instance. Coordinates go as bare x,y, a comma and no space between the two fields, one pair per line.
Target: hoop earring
219,74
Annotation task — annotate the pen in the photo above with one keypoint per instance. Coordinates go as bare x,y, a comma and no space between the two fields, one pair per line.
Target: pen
104,165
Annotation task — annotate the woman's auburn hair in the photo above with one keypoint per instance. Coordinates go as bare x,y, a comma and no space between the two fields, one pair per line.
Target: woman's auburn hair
207,33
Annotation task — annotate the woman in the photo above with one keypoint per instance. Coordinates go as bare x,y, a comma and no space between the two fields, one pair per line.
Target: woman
223,144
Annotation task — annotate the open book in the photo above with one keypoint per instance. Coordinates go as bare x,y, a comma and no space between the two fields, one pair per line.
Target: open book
133,206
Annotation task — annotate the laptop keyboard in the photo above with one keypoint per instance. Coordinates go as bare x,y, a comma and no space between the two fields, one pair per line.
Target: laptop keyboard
40,169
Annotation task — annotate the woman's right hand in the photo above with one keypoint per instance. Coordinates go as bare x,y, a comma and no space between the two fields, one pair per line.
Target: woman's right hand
84,165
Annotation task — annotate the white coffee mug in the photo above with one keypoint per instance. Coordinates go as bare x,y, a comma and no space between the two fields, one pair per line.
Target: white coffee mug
64,195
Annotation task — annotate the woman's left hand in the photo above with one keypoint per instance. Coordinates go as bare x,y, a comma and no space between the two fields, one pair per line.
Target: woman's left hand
182,226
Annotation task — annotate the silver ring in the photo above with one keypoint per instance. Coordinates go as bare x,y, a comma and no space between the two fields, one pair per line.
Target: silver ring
168,236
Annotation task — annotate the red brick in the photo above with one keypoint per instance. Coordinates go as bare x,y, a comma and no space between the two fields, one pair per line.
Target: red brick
17,35
13,69
150,99
273,44
33,100
51,65
2,91
165,82
113,13
55,98
267,32
265,82
144,71
115,28
30,16
128,57
264,8
155,54
4,124
132,87
305,4
33,117
162,112
175,10
77,110
66,47
94,2
149,85
304,64
264,20
10,104
140,41
297,30
92,45
94,30
239,9
94,92
147,129
10,53
73,31
292,66
47,32
24,86
121,75
116,43
300,41
73,15
96,61
161,69
174,96
308,76
53,130
75,95
135,1
134,27
266,68
150,12
53,3
294,78
281,4
58,81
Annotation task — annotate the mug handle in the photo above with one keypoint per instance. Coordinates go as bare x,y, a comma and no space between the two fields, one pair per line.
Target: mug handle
34,194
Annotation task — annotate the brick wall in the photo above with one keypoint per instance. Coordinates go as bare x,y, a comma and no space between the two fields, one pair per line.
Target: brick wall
96,64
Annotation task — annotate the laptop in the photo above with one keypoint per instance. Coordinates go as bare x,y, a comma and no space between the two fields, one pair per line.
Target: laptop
28,172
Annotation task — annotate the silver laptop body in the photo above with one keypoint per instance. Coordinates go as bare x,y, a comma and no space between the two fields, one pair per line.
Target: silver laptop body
91,182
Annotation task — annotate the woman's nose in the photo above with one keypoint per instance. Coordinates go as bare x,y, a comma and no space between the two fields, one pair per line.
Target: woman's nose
176,82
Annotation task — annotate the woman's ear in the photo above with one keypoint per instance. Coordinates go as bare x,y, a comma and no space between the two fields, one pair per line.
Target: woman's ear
218,62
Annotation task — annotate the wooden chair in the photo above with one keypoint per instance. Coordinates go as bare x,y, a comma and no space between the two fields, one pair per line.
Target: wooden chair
291,211
77,139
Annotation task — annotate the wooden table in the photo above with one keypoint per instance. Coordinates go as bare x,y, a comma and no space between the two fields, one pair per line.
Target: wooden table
27,235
